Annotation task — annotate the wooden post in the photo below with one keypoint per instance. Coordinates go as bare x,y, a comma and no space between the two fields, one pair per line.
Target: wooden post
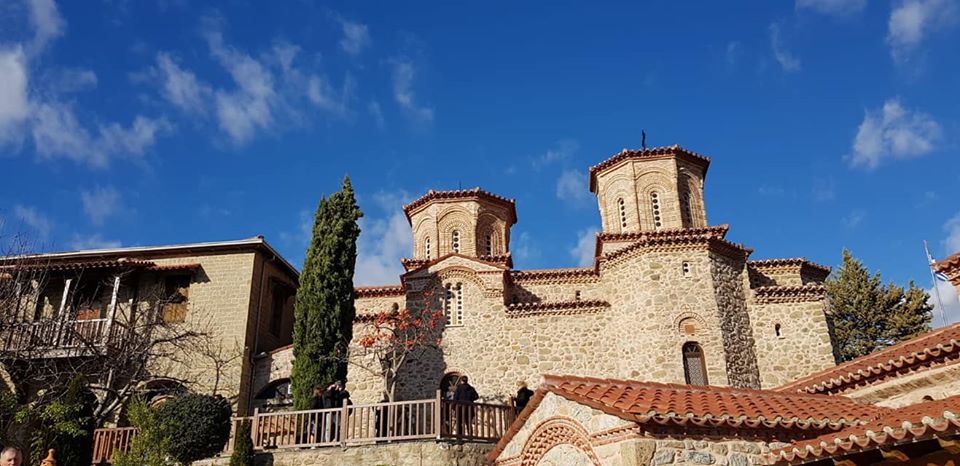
60,317
113,310
437,421
255,427
344,420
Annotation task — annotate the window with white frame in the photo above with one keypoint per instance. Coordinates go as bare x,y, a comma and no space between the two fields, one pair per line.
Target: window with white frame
488,244
655,204
687,272
426,248
455,241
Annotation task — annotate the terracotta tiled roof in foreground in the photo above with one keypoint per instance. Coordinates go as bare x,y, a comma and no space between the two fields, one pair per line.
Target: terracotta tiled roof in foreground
655,405
933,348
661,403
910,424
949,267
650,153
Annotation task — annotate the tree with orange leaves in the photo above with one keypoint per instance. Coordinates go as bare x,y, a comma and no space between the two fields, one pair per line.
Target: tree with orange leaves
394,338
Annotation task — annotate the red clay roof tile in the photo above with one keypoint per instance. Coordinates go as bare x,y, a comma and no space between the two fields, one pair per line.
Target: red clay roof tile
475,193
650,153
911,423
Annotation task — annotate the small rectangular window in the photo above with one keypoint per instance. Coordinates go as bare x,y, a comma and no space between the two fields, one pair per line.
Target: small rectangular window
176,292
687,271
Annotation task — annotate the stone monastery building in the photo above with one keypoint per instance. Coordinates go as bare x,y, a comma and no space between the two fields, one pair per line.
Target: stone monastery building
667,299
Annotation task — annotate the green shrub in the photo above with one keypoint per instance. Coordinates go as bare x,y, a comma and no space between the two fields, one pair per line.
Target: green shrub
242,447
62,420
198,426
151,444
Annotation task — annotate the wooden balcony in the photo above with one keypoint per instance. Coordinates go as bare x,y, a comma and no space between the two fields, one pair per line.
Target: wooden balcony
435,419
59,338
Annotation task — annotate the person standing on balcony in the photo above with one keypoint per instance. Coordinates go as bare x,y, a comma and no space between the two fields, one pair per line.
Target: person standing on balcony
463,399
11,456
523,396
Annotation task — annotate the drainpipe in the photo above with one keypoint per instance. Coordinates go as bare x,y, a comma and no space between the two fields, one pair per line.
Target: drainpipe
256,336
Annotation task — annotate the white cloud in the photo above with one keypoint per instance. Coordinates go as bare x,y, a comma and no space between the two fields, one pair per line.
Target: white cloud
322,94
951,304
952,241
100,203
524,249
376,113
572,187
34,219
57,133
912,20
733,53
95,241
383,241
893,132
53,126
46,21
833,7
561,152
181,87
14,106
404,73
356,36
787,60
583,252
249,107
854,218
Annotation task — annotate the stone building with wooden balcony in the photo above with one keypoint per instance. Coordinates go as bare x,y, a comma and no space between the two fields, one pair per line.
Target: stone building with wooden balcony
64,307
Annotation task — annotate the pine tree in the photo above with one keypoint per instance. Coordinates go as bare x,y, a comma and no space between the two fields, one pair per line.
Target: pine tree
324,314
867,316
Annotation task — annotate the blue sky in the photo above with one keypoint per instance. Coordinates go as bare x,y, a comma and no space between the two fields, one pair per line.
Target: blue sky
831,123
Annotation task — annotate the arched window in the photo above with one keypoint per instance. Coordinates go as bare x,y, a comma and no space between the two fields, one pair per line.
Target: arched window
426,248
694,364
488,244
655,205
453,304
623,213
455,241
776,329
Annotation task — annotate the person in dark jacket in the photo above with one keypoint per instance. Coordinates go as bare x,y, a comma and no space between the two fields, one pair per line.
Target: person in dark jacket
463,399
523,396
330,398
315,403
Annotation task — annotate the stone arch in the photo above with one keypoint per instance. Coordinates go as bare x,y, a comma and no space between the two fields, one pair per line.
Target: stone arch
489,224
423,230
457,220
621,186
685,318
690,187
553,432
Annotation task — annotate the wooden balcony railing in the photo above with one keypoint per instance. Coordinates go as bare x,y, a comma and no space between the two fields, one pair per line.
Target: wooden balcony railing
107,441
60,334
368,423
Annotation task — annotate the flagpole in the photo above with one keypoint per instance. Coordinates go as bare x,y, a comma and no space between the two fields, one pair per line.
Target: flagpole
936,289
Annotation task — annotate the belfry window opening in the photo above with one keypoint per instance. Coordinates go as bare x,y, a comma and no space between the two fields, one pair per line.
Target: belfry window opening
455,241
655,204
685,211
453,304
426,247
488,245
623,213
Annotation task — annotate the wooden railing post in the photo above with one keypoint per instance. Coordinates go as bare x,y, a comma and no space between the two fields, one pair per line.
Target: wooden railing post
437,421
112,311
255,427
344,419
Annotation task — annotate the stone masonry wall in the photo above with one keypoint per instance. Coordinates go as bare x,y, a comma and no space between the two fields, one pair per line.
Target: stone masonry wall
654,310
803,346
219,303
417,453
729,276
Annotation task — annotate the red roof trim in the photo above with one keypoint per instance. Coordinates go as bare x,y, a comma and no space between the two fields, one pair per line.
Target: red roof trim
378,291
475,193
651,153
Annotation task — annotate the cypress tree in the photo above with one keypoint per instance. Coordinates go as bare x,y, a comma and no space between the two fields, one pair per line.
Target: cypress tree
867,315
324,314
